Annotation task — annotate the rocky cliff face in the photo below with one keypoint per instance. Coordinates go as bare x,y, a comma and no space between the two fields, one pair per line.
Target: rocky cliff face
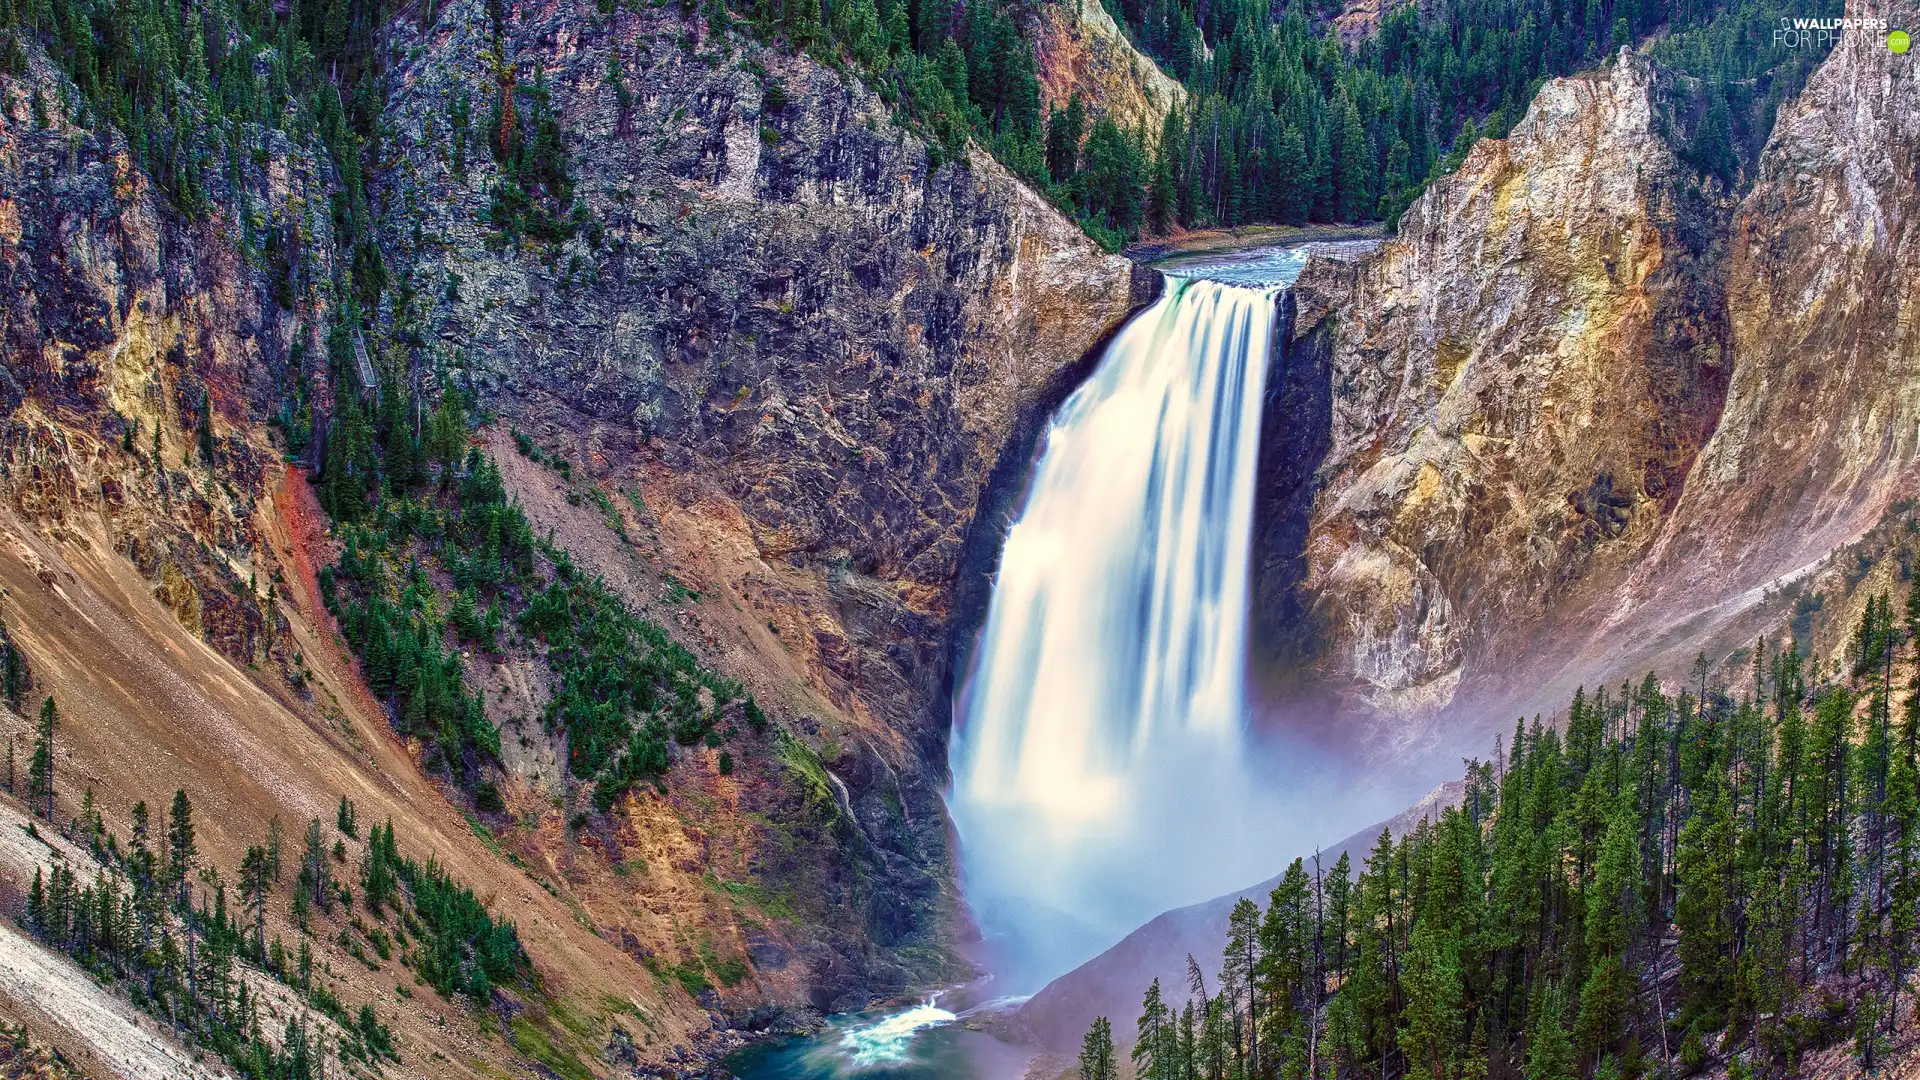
1518,386
1082,51
806,348
1583,414
143,348
1819,435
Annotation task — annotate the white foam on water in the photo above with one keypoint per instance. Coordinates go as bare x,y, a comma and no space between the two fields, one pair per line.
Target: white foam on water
888,1041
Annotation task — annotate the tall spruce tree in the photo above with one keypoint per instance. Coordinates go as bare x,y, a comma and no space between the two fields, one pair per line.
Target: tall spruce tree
1096,1052
40,766
1156,1048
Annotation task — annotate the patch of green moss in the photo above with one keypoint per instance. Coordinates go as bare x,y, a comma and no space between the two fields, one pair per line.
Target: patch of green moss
486,836
805,764
773,904
530,1040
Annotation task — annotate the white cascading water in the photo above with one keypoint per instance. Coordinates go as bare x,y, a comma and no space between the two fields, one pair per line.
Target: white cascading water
1097,759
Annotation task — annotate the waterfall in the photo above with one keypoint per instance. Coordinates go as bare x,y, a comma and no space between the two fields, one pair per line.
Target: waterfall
1104,706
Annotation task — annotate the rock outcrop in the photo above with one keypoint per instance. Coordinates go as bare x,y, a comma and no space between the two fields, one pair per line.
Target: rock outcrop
143,349
1083,51
156,569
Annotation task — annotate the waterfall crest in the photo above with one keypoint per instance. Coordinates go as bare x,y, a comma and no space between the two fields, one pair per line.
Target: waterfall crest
1106,692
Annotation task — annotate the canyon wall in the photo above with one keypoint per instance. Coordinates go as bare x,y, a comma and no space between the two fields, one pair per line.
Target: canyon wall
1588,413
1818,439
1517,390
809,350
776,383
156,569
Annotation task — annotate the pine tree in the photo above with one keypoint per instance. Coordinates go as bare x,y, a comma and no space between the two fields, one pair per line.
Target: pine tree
1163,195
15,678
1292,181
380,869
1827,766
204,433
40,766
1237,973
1549,1052
1111,196
1156,1050
1703,912
1712,148
1096,1052
36,913
1353,167
1903,817
346,819
315,882
1320,178
256,882
1434,1020
273,848
1611,922
1338,907
1065,129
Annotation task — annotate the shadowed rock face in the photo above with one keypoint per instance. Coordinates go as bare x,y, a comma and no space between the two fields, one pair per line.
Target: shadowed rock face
1295,434
814,352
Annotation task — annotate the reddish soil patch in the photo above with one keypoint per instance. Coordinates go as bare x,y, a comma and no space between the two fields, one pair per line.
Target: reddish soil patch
303,532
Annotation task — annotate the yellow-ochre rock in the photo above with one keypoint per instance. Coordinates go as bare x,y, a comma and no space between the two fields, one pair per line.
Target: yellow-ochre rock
1584,413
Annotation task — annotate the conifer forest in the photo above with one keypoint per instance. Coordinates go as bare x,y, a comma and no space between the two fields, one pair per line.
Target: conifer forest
1727,868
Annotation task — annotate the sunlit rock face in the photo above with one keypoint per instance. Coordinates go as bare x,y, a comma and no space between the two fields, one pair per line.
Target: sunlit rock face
1517,390
1582,412
1083,53
1821,427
